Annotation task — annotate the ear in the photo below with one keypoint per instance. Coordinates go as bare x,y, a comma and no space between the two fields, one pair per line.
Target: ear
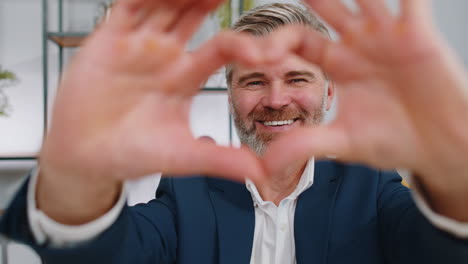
330,94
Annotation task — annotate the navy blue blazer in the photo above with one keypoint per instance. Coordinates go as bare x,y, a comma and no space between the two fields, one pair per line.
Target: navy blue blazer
351,214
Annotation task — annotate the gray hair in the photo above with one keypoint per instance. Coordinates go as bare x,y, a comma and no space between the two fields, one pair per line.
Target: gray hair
264,19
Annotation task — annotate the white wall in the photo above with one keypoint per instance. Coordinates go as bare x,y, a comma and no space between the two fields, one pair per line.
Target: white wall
21,51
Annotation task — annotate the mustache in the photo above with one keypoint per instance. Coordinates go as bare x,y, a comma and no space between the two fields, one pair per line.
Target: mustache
270,114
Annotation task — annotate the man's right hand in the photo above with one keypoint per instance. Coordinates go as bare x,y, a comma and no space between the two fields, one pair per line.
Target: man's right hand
122,108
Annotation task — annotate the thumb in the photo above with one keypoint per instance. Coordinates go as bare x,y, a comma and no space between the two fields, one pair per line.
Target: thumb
226,162
226,47
304,143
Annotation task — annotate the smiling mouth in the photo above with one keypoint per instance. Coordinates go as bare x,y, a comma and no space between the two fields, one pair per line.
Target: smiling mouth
278,123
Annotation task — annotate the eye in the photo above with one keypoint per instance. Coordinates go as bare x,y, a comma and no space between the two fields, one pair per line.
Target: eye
297,80
255,83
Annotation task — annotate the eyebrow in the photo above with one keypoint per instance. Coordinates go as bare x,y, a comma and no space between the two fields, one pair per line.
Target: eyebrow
244,78
300,73
290,74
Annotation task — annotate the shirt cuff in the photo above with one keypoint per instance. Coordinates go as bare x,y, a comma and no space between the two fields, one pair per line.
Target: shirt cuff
47,231
452,226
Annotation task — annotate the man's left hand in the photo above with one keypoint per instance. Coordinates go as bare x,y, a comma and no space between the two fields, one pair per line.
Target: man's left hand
403,98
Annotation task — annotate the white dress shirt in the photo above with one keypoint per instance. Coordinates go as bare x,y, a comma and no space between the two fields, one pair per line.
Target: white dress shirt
274,226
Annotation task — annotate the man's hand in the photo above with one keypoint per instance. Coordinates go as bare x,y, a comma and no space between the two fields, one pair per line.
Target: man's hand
403,98
122,109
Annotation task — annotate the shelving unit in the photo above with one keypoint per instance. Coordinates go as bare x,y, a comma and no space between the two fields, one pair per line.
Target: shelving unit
67,39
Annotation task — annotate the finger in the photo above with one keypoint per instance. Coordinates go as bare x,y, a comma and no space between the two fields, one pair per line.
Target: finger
305,143
162,16
127,14
190,20
203,158
335,59
375,10
226,162
415,10
188,23
166,15
309,44
156,14
335,13
226,47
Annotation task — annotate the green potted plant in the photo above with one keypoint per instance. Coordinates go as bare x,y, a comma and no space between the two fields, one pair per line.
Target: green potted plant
248,4
225,13
7,79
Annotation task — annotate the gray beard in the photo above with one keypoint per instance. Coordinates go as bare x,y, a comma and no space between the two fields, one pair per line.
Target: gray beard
258,145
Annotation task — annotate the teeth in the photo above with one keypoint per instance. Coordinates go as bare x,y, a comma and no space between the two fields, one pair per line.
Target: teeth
278,123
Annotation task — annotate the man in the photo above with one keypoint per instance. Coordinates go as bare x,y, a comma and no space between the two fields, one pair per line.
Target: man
292,209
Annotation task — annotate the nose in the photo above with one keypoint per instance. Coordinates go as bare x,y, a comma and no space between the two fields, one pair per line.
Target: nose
276,97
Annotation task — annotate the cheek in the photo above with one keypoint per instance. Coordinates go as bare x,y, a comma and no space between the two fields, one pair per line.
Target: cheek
244,103
309,101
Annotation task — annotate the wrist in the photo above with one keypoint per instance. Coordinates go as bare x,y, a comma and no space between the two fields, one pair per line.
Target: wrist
74,199
446,196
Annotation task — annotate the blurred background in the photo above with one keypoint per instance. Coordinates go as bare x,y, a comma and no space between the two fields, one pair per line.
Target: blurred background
39,37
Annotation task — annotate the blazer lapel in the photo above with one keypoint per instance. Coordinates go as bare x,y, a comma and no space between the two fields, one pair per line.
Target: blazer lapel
313,214
235,218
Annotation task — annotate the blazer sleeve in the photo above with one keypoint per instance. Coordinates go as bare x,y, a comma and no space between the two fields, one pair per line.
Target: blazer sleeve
407,236
145,233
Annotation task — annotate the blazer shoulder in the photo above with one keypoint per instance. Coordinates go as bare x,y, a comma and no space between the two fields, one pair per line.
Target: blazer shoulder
358,175
340,169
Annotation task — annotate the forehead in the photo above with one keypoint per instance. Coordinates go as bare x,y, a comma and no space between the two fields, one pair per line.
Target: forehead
292,63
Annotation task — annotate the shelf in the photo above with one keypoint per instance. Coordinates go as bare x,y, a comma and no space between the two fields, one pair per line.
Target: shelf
18,158
68,39
214,89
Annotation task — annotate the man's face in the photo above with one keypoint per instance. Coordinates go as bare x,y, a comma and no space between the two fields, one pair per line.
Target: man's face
268,101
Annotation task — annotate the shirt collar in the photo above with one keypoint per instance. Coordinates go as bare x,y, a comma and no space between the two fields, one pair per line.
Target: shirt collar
306,180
